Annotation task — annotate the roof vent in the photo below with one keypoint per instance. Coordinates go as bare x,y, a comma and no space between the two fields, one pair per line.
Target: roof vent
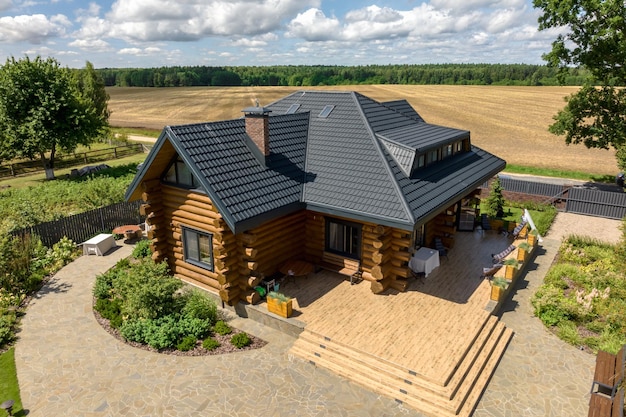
326,111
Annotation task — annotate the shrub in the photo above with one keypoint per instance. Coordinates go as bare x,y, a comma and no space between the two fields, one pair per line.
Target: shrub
192,326
222,328
109,309
188,343
210,344
142,249
62,253
240,340
198,305
148,291
7,321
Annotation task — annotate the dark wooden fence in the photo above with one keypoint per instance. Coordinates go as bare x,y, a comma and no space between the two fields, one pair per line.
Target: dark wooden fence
566,197
607,204
81,227
66,161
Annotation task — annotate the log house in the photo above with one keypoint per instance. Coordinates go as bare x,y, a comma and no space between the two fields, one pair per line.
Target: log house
316,176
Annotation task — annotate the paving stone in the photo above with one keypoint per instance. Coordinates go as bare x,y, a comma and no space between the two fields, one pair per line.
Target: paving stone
68,365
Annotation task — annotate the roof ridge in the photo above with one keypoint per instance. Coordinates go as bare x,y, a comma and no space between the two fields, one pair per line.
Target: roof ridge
383,159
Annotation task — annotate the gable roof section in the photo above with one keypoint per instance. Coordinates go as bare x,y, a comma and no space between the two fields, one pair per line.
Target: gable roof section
244,191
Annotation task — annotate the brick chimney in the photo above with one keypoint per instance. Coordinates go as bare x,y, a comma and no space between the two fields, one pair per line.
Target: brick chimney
257,127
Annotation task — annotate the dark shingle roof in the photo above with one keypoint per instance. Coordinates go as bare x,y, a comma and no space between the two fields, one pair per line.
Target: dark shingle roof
403,107
355,163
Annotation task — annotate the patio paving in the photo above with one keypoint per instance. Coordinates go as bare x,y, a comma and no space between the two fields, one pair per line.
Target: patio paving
67,364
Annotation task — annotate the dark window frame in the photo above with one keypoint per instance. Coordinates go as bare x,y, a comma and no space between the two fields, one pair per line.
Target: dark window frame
177,162
350,250
188,252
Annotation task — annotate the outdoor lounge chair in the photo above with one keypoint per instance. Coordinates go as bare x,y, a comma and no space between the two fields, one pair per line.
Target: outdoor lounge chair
518,229
491,271
499,257
440,248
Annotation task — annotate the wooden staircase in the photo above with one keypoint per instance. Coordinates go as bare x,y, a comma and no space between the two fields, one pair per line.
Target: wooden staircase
456,394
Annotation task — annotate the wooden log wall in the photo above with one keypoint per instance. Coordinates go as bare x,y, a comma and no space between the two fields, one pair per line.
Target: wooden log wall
169,209
314,237
268,246
443,226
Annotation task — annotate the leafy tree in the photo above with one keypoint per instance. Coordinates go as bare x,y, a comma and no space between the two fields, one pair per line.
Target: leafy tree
43,110
594,39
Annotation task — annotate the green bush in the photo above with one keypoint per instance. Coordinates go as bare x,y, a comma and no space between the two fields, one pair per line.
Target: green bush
188,343
200,306
210,344
148,290
222,328
240,340
142,249
109,309
192,326
7,323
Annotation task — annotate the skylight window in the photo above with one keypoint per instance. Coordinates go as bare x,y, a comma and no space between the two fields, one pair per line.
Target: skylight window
293,108
326,111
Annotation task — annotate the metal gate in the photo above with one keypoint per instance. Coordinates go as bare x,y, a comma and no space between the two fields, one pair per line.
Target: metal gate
596,203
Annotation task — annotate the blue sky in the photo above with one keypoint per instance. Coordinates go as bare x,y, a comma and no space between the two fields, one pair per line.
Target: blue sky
152,33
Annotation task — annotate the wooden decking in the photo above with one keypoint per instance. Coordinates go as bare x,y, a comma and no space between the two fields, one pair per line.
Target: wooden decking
433,347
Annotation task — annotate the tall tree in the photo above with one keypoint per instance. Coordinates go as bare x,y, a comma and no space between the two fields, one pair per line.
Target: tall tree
594,37
43,110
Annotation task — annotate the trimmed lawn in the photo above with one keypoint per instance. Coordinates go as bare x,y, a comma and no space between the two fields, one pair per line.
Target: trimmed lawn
9,388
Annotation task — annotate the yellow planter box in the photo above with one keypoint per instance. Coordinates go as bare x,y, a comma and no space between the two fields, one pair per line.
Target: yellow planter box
521,255
509,272
497,293
278,307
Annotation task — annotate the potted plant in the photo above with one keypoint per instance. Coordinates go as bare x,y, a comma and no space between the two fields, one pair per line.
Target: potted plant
498,288
278,303
511,265
523,249
532,237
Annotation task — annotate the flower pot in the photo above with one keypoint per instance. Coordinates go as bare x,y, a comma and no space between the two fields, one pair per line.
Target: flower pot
521,255
509,272
280,308
532,239
497,292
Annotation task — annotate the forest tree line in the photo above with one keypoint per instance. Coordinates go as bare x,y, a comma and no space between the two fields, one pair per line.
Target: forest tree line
453,74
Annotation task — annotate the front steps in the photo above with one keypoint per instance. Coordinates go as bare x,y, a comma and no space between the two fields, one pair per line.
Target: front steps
456,396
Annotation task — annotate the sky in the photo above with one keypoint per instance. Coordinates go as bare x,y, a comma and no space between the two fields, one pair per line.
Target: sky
155,33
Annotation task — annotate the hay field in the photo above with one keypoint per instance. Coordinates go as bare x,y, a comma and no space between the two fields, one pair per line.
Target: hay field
511,122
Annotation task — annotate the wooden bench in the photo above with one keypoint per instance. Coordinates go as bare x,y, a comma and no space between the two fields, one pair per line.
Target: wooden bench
607,398
342,265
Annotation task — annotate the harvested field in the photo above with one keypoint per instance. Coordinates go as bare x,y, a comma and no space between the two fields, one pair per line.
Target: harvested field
511,122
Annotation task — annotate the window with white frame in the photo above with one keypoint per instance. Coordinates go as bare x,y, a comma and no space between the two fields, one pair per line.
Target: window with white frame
198,248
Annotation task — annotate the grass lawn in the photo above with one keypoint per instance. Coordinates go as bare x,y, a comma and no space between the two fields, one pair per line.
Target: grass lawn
542,216
9,388
37,179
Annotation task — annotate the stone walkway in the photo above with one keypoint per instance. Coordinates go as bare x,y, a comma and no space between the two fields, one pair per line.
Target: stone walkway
68,365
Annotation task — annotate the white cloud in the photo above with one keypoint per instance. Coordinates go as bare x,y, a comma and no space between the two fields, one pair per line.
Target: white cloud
313,25
92,45
32,28
152,20
5,4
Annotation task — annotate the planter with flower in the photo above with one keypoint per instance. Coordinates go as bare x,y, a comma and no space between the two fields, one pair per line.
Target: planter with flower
279,304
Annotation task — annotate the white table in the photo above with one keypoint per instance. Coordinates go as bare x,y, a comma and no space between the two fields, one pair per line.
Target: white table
98,245
424,260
